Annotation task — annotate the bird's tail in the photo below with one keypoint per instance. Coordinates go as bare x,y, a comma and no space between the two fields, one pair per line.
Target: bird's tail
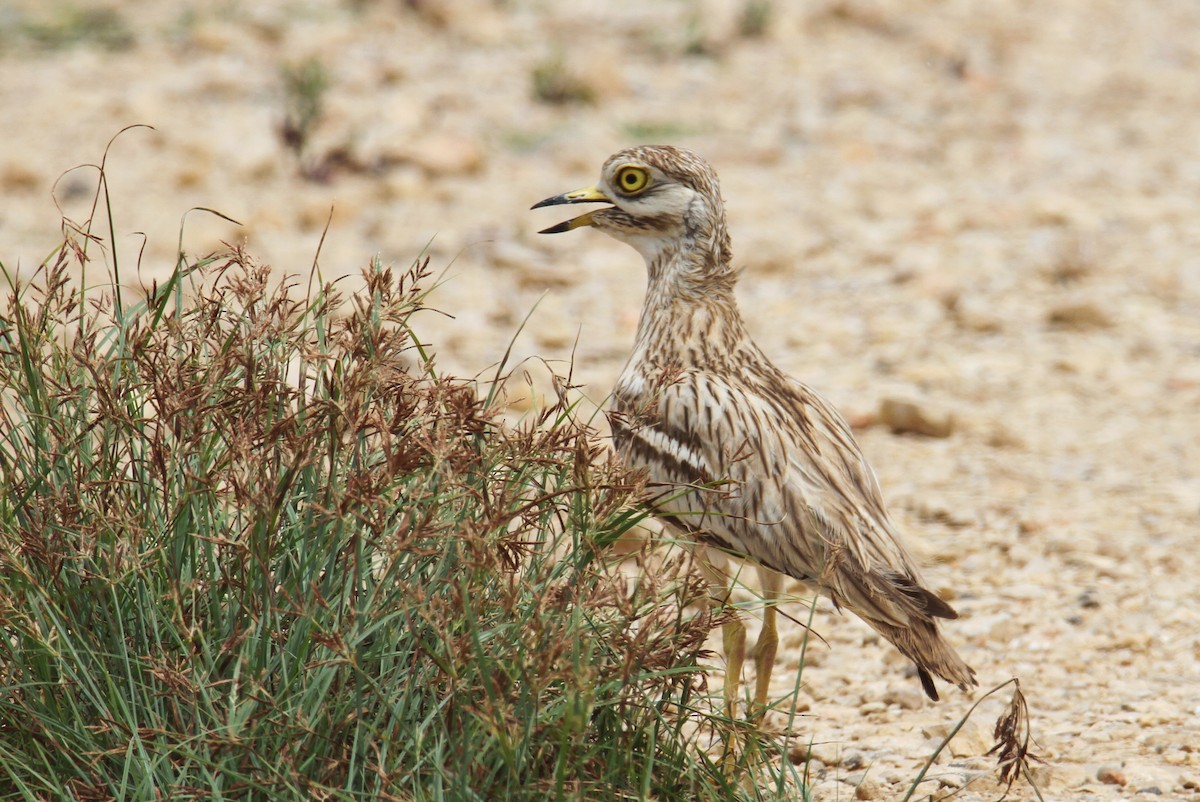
921,641
900,608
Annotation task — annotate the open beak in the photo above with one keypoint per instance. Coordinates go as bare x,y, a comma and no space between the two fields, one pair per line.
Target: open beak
585,195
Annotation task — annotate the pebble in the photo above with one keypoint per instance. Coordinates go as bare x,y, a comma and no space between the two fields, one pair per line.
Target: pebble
969,741
444,155
915,417
1111,774
805,756
907,698
537,276
214,37
867,789
864,786
1058,776
974,313
937,509
477,21
1079,317
1002,436
814,656
827,754
952,779
17,177
1062,209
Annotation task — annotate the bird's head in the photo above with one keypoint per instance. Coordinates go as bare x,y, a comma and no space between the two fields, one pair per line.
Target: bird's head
663,200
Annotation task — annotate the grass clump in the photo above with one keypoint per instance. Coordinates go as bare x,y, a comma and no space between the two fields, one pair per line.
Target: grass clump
254,547
555,83
58,26
304,87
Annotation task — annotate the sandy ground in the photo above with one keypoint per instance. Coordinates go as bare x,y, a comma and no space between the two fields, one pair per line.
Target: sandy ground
990,208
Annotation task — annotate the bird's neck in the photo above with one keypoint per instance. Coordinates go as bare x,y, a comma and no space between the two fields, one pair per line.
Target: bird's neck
690,317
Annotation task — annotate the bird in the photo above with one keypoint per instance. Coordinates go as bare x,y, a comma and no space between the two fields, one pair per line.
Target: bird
747,461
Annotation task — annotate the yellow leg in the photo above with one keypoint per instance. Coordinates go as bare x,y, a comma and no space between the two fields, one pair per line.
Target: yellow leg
733,636
767,644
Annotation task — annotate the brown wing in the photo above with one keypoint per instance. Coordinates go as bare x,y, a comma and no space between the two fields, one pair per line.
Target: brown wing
798,496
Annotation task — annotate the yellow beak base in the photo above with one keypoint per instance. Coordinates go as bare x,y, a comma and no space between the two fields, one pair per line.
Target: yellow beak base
585,195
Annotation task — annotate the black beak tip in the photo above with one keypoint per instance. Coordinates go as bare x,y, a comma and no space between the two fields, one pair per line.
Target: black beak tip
557,229
552,201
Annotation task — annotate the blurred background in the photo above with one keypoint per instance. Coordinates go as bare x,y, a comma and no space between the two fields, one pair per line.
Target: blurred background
984,214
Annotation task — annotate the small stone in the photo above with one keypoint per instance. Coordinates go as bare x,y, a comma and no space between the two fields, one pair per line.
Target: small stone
907,698
863,787
973,314
1134,642
18,177
867,789
853,760
1059,776
1111,774
872,707
813,656
827,754
405,181
933,509
969,741
476,21
803,756
445,155
1189,782
999,435
212,37
912,417
1062,209
862,420
952,779
1079,317
537,276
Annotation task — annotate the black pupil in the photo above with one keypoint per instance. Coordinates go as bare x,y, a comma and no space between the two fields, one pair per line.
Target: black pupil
630,179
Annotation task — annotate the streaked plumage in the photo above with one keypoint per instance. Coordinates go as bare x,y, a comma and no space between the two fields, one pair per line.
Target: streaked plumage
748,459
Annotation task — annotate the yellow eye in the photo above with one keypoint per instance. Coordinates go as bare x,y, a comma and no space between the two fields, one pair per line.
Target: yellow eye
632,180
